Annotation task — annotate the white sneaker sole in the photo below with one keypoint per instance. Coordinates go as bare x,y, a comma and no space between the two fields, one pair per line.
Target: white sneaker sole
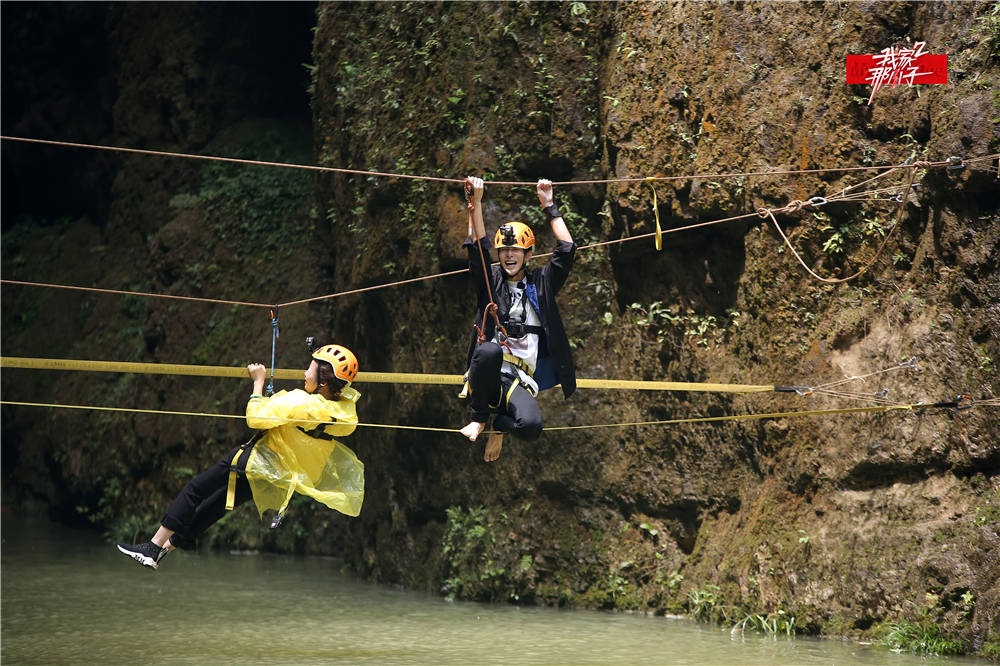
141,559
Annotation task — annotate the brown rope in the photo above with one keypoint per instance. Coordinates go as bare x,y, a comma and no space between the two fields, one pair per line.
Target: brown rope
231,160
491,307
162,153
763,212
135,293
796,205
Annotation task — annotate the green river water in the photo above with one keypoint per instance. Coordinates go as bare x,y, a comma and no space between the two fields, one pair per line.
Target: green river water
68,597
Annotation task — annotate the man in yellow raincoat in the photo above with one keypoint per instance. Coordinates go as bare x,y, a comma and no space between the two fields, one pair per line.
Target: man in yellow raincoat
294,451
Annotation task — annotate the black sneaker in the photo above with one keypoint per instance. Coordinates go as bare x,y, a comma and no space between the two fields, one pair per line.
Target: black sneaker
148,554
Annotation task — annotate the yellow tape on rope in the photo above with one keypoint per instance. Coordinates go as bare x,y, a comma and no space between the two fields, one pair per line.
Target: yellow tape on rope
656,212
672,386
363,377
207,370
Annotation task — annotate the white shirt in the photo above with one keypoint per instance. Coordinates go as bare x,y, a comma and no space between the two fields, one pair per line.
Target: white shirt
526,347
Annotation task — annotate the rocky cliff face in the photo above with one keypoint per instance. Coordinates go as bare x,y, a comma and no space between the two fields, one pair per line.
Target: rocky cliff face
842,521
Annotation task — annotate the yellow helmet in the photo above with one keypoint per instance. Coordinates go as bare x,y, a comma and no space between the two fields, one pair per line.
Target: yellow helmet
343,360
514,234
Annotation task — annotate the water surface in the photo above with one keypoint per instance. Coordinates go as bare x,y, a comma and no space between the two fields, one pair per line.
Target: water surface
70,598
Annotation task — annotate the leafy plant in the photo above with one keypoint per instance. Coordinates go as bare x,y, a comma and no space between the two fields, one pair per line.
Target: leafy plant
253,206
702,602
779,623
923,638
478,566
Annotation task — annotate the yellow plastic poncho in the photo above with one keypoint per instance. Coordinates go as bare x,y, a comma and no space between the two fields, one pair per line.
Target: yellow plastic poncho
298,452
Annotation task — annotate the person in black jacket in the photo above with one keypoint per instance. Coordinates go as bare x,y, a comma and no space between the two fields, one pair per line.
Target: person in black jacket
529,352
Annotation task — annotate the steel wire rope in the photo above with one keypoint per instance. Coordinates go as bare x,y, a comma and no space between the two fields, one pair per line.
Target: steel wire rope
362,172
359,290
961,401
791,207
629,424
951,163
769,213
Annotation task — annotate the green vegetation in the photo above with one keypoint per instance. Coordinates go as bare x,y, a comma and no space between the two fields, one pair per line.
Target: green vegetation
702,603
922,638
778,623
255,206
668,323
705,605
477,567
847,235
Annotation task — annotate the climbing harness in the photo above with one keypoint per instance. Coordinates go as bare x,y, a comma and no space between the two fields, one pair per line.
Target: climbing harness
235,470
897,194
519,363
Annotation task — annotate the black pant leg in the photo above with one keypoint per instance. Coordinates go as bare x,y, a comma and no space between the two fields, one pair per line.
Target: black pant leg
202,502
484,380
520,414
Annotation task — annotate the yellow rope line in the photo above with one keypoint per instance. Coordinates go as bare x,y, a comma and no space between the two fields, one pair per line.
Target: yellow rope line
362,378
744,417
700,419
673,386
878,253
162,412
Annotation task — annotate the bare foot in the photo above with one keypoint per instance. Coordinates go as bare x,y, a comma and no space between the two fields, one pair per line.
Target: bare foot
493,446
473,430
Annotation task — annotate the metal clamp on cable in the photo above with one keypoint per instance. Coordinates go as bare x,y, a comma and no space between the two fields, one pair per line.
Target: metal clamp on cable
801,390
955,163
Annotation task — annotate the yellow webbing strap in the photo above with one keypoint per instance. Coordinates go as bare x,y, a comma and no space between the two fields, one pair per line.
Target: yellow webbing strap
510,391
656,210
231,489
362,378
673,386
208,370
519,363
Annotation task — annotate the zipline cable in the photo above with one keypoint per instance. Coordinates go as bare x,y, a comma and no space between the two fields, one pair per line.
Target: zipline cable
951,164
791,207
363,377
634,424
361,172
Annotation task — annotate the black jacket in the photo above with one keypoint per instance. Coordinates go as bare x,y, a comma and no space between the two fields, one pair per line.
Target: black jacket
555,358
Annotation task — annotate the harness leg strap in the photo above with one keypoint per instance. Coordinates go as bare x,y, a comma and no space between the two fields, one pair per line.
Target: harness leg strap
231,489
234,471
